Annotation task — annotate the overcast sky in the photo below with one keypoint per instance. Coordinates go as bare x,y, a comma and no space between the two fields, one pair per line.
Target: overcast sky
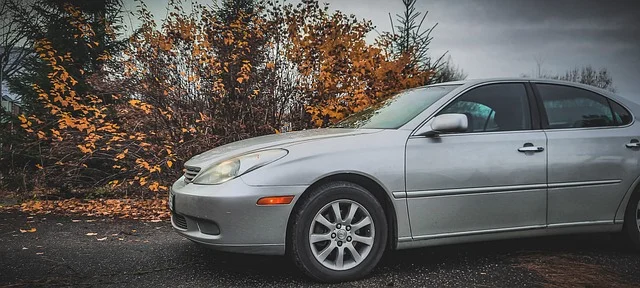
493,38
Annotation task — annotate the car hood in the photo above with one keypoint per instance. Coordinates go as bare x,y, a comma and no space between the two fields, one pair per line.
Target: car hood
269,141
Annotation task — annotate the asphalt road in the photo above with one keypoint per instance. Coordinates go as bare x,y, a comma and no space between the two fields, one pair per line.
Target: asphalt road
138,254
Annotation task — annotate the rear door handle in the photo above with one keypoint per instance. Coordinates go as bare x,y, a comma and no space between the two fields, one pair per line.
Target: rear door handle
634,143
528,147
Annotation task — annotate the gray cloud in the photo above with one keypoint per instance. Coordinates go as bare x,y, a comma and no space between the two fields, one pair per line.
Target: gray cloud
491,38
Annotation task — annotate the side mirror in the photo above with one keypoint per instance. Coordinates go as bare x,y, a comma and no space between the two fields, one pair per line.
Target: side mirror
445,123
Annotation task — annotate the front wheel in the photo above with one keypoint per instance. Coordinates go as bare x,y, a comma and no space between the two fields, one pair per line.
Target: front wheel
338,233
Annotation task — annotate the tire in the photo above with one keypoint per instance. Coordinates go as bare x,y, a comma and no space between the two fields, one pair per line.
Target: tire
341,237
632,221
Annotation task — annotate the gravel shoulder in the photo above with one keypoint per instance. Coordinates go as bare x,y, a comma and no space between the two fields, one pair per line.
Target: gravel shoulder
64,251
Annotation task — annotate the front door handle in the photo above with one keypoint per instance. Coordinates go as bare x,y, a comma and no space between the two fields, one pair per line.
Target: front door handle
528,147
634,143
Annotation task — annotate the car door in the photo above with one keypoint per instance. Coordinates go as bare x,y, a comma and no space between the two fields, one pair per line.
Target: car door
478,181
590,164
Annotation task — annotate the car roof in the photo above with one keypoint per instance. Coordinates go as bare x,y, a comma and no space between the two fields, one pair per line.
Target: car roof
514,79
473,82
464,84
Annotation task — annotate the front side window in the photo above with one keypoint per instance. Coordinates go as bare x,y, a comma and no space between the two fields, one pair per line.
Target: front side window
570,107
494,107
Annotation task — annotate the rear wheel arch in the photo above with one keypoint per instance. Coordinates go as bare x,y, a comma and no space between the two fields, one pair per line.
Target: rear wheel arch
372,186
624,203
631,226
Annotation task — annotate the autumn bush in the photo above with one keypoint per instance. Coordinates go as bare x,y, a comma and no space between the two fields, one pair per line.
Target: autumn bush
204,77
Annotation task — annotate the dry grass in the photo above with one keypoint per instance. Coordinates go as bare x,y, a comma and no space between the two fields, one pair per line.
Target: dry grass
567,270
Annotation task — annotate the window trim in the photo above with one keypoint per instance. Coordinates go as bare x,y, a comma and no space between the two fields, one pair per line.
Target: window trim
545,119
530,98
536,119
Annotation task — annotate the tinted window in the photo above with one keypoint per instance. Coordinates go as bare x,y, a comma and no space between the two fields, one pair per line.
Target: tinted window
495,107
569,107
620,115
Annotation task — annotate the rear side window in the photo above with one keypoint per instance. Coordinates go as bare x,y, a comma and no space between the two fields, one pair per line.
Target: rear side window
569,107
620,115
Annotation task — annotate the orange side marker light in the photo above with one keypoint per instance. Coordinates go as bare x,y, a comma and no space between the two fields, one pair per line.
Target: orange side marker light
275,200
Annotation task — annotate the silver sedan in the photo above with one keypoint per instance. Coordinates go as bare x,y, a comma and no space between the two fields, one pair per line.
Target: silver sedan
448,163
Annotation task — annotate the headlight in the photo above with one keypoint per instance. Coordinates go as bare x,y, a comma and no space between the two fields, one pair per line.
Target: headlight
228,169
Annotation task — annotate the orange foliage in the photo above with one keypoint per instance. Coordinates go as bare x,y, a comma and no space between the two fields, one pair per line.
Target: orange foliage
206,78
341,73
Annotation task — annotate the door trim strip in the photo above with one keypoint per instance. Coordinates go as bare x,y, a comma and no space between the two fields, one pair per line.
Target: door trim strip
491,189
584,183
583,223
476,232
463,191
399,195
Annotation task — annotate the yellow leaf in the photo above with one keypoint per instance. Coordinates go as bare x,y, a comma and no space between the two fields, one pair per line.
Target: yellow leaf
169,163
240,79
41,135
271,65
121,155
28,230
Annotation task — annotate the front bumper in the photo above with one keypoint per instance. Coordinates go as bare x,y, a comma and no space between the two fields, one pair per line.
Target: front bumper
226,216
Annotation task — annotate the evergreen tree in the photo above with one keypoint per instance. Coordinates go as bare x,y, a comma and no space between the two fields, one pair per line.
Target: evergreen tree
52,21
410,37
57,23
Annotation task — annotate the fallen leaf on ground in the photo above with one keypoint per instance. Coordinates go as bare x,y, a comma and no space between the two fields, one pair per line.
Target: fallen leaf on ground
76,221
40,253
28,230
91,234
24,248
155,220
102,239
147,210
92,220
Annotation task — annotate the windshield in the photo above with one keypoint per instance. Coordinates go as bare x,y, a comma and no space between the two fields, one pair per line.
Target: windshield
397,110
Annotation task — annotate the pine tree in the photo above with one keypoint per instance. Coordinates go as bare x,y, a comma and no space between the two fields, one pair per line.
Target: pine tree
56,23
52,22
409,37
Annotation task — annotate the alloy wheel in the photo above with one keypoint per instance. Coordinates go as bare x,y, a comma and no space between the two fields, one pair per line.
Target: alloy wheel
342,234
